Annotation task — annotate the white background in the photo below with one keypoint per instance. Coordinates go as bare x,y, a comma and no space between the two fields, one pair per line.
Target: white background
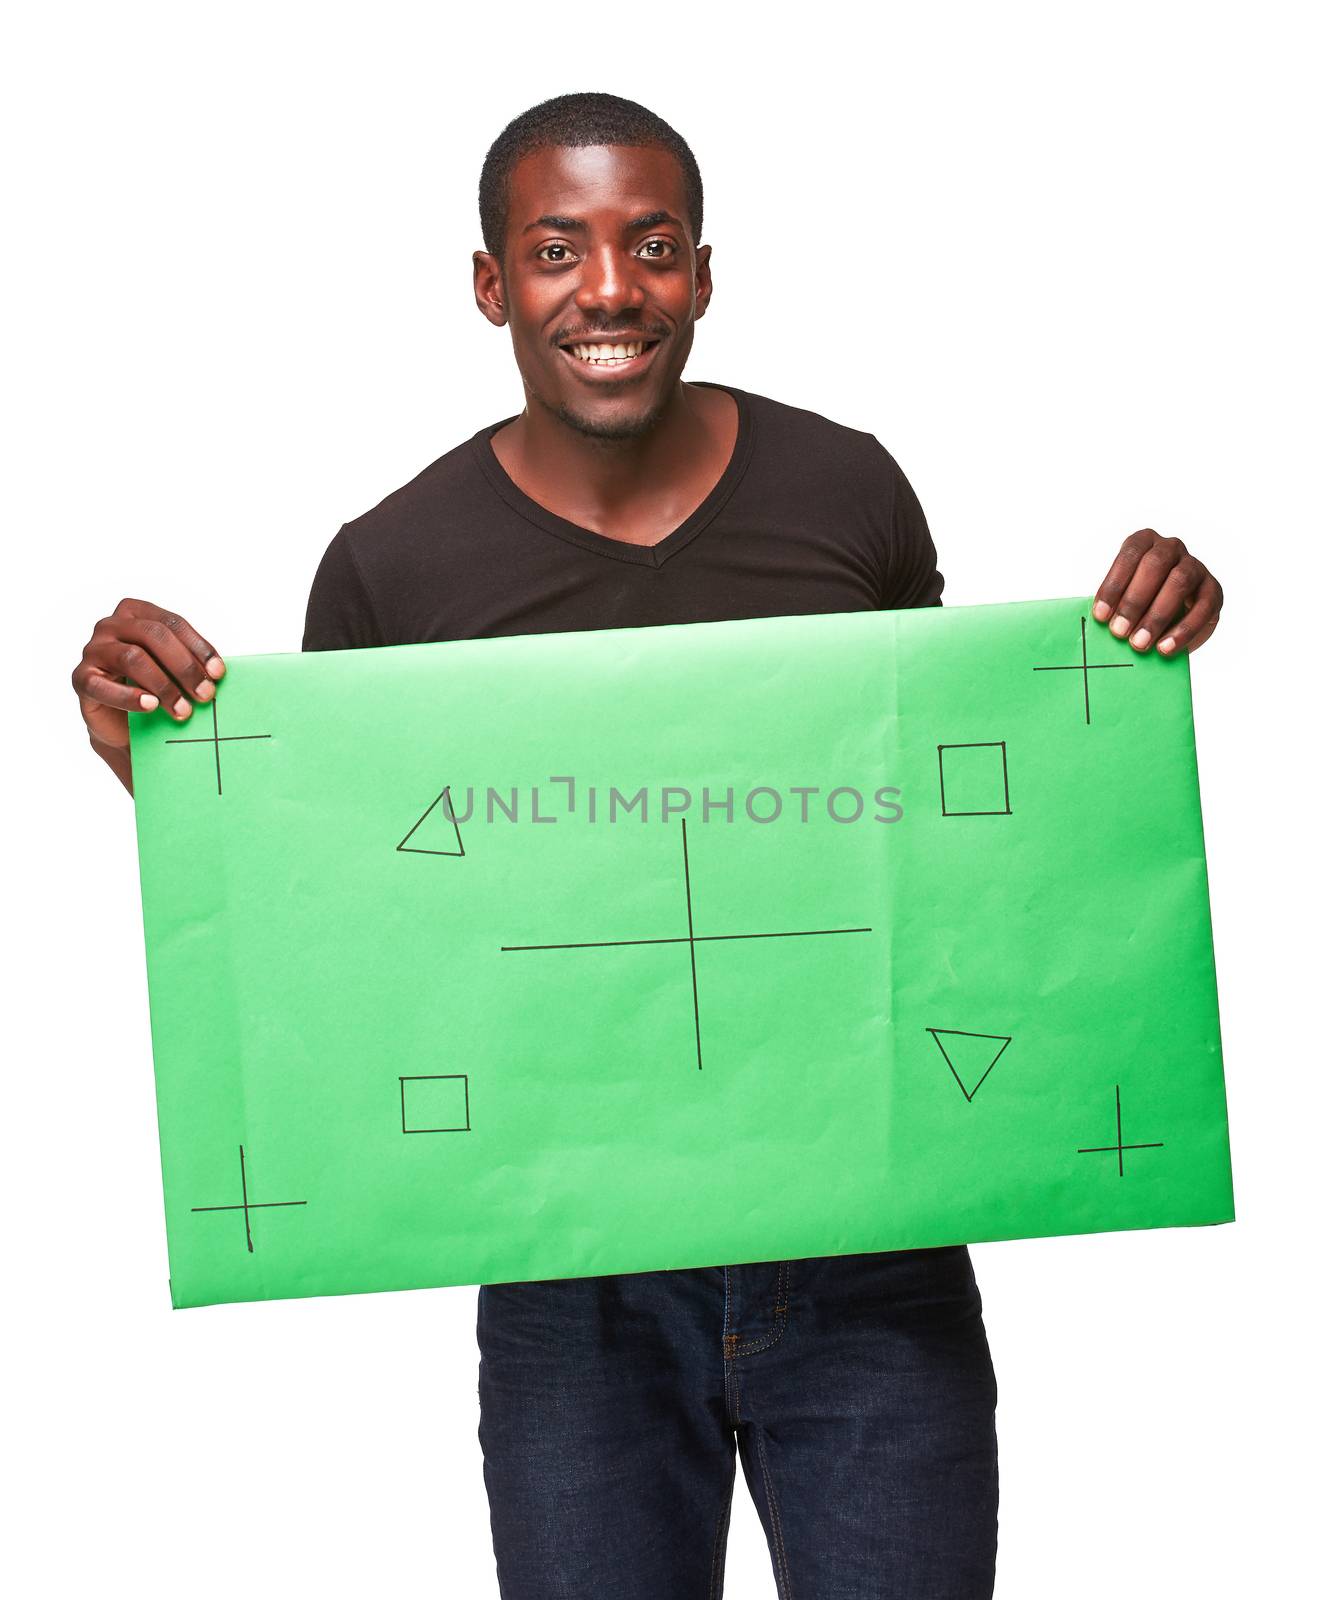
1072,264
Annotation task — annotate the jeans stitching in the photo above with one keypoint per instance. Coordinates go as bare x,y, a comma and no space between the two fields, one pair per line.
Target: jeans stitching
716,1557
765,1341
786,1583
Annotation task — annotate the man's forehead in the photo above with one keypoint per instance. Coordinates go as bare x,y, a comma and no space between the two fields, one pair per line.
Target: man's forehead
574,182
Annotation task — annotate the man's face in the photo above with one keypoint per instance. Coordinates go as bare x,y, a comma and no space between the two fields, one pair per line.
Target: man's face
600,284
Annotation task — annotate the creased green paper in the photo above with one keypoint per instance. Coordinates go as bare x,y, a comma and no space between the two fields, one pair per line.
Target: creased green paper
647,948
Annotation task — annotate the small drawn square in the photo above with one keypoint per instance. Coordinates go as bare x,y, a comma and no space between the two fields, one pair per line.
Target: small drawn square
435,1103
972,779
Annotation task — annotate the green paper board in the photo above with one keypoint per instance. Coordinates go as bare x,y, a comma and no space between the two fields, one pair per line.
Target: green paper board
462,971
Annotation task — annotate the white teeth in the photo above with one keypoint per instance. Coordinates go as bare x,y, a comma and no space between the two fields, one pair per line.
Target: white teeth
607,354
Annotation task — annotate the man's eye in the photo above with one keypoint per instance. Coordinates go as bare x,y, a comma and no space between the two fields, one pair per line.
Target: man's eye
662,248
546,253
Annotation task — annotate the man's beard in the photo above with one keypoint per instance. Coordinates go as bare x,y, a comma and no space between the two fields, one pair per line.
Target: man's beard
596,427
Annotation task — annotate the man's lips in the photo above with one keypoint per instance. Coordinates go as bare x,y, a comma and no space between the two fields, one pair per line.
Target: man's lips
607,365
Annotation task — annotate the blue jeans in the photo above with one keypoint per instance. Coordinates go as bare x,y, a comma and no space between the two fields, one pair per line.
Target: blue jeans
859,1391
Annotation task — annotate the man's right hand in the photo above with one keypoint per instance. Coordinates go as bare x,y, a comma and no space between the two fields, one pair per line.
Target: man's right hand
138,658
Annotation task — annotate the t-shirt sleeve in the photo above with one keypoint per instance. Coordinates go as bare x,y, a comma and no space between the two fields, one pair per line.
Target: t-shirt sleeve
339,613
912,576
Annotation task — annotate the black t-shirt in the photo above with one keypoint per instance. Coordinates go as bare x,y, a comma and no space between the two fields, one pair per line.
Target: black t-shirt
808,517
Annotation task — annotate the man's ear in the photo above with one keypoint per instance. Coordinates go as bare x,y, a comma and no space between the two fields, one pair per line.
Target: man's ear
489,291
704,285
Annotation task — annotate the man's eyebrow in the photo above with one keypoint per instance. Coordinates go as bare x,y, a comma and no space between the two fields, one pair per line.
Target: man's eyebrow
651,219
561,224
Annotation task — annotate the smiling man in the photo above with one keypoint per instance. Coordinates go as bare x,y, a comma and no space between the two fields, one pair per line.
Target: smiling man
858,1390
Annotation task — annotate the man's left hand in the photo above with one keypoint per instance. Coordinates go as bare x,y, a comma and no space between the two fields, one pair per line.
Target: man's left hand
1157,594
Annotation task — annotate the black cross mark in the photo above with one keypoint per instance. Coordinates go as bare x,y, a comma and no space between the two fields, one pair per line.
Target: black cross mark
1118,1145
691,939
216,739
1086,668
248,1205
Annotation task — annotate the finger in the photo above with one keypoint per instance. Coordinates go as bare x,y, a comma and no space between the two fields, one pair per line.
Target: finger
160,635
1116,580
1145,584
95,687
1174,597
104,705
190,637
158,640
127,658
1197,624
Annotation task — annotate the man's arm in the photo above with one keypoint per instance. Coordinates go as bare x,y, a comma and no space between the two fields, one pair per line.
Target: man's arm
340,614
912,577
142,656
1155,594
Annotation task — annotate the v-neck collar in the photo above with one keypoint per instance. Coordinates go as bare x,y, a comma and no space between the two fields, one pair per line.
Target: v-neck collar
653,555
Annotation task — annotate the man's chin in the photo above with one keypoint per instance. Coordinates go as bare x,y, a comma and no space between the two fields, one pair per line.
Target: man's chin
616,421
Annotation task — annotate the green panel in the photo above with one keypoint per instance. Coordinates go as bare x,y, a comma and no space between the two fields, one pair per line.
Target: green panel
438,998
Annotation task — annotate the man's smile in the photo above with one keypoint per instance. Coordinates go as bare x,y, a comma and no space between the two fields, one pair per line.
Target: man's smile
604,359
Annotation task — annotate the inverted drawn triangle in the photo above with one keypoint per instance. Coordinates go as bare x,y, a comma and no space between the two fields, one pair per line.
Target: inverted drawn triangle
437,830
971,1056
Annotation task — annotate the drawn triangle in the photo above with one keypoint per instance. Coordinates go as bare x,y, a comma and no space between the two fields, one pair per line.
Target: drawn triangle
440,832
971,1056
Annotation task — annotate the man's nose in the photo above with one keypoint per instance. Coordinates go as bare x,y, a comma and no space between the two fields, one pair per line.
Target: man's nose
608,283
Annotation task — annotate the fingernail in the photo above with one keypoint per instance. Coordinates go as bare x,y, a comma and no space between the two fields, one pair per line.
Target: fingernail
204,691
1100,611
149,702
214,667
1141,639
1166,645
182,708
1119,627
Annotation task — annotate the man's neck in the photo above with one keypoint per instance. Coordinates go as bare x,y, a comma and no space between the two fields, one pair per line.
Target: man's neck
637,489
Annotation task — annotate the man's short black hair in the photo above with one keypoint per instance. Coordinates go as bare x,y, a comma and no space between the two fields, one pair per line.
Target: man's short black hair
573,121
